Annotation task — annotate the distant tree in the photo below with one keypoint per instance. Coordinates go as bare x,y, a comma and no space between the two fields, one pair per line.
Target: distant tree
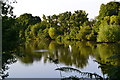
24,20
27,19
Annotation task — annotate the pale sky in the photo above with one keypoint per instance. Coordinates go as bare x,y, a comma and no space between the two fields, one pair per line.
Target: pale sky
50,7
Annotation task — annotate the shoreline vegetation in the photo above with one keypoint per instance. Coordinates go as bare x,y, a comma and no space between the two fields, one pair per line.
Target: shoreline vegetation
105,28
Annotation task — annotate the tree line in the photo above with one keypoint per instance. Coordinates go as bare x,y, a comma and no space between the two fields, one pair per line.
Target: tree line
64,26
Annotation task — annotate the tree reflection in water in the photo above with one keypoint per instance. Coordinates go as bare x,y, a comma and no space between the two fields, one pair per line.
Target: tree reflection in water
77,56
109,60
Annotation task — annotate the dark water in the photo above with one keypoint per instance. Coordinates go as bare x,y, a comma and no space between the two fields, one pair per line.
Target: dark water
33,59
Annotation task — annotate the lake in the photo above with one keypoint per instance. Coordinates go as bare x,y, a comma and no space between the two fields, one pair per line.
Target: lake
41,59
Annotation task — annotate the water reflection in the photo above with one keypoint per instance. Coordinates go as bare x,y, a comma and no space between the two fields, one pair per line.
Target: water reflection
70,53
109,60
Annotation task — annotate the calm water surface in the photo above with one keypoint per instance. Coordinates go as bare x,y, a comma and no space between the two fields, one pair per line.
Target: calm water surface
39,69
33,58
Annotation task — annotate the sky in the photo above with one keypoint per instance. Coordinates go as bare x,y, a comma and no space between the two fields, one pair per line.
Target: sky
50,7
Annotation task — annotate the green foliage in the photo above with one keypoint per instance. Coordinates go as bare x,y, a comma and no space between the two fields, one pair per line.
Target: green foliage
111,20
109,9
65,24
37,31
66,21
52,33
109,33
32,30
85,33
114,20
106,20
23,21
73,32
26,19
43,34
59,38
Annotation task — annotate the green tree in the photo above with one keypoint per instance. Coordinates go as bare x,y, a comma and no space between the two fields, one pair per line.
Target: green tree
111,20
24,20
109,9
